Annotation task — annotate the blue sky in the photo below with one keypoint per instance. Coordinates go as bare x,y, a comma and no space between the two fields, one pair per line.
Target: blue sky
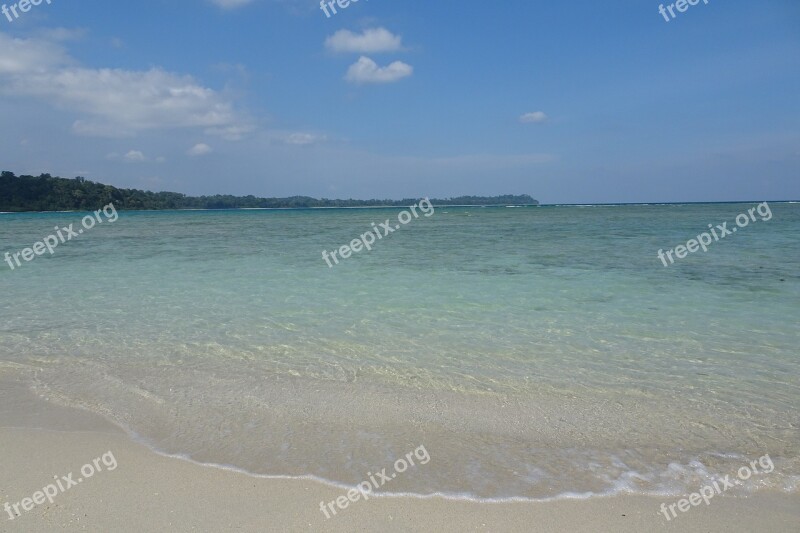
571,102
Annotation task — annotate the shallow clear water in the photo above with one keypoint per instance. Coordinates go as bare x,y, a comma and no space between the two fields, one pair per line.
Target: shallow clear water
534,352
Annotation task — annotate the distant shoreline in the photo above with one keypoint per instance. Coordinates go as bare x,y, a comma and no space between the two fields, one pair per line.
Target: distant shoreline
502,206
490,206
45,193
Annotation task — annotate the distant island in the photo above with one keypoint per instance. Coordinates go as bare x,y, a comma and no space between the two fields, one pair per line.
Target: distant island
49,193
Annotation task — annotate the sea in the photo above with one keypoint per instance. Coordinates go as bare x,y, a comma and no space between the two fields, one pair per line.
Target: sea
536,353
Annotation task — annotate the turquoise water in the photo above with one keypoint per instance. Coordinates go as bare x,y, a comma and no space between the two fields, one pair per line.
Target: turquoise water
534,352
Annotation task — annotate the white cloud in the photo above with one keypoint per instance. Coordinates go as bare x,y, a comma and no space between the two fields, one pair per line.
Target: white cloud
230,4
366,70
113,102
135,156
304,138
371,41
535,117
19,57
199,149
231,133
475,161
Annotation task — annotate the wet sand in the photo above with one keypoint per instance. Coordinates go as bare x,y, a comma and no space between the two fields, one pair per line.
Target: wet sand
152,492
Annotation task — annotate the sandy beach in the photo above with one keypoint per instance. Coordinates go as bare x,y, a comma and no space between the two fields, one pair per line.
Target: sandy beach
268,265
151,492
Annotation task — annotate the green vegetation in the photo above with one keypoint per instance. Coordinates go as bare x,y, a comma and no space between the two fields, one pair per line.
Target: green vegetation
48,193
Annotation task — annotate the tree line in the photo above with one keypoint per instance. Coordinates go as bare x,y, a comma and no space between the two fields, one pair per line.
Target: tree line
49,193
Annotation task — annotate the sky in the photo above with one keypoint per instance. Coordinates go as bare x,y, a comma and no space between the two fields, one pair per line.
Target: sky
570,102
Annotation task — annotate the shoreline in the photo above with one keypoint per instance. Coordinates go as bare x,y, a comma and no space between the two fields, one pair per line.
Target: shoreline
440,206
148,490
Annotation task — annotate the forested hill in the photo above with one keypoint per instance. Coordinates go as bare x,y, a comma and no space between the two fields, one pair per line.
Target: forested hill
48,193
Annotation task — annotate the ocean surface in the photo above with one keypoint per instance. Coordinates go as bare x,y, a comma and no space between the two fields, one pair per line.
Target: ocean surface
535,353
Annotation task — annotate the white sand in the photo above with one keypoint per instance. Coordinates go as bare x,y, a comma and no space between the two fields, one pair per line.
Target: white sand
150,492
